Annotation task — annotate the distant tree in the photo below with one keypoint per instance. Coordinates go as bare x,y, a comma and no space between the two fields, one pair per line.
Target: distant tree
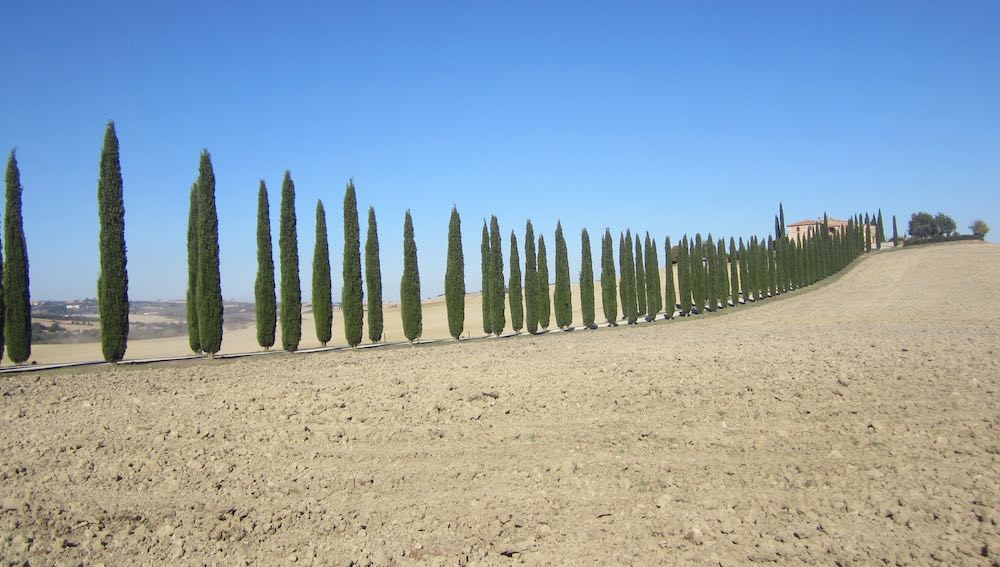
670,294
562,296
112,284
530,280
781,218
628,279
723,262
498,319
684,275
772,268
640,278
16,286
265,301
712,274
777,227
699,278
652,265
514,287
979,227
879,231
744,272
586,281
409,292
734,276
868,234
609,295
373,279
895,232
487,269
321,285
454,278
288,252
352,294
542,279
209,280
922,225
193,250
945,224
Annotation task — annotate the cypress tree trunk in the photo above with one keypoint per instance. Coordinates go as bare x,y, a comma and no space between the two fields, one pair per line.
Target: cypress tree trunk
586,281
609,295
373,279
193,253
322,284
112,284
487,266
265,304
498,319
530,280
352,294
288,251
562,295
409,292
454,277
670,305
640,279
514,288
16,291
895,232
734,275
209,280
544,304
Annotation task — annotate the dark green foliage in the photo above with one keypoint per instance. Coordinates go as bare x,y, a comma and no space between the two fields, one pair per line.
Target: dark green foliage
868,234
879,231
895,232
720,258
640,278
194,333
744,271
112,284
654,298
514,287
670,293
623,275
712,275
542,278
351,295
777,227
586,280
322,300
772,267
497,317
734,275
265,304
684,275
781,218
530,280
16,288
627,266
698,286
487,268
561,297
373,279
609,295
288,252
945,224
209,280
409,288
454,277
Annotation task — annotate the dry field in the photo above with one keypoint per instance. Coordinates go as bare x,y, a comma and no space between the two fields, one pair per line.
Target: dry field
857,423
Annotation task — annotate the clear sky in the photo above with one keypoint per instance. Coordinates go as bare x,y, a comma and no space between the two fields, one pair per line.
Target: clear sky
657,116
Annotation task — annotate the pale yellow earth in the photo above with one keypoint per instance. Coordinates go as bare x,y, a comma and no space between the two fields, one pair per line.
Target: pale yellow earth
856,422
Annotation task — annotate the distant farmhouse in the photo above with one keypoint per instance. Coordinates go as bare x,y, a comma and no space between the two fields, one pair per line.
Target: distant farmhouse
800,230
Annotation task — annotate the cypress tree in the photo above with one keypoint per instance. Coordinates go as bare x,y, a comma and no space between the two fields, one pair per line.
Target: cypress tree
879,231
586,281
373,279
868,234
351,295
772,268
723,263
777,227
530,280
562,296
487,268
409,288
628,277
454,278
711,268
497,318
191,306
514,288
112,284
288,252
609,295
781,218
16,290
670,303
542,277
265,307
744,272
322,299
895,232
653,296
209,280
623,275
640,278
698,273
734,276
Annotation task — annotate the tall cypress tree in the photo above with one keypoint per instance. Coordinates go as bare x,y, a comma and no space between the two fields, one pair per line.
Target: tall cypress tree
487,268
112,284
265,307
609,295
640,278
586,281
772,271
562,295
697,266
670,305
652,267
288,252
373,279
879,231
628,279
777,227
542,278
16,290
723,273
351,296
734,275
781,218
684,275
322,299
409,292
623,253
498,319
454,277
514,287
209,280
193,252
895,232
712,269
868,234
530,280
744,272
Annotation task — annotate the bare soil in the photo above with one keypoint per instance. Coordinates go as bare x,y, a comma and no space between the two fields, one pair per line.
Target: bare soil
857,423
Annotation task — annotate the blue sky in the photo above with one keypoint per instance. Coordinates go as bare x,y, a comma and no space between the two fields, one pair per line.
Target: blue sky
655,116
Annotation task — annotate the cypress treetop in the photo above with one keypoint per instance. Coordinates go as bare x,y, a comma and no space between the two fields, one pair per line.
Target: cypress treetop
112,284
409,292
322,299
454,277
352,294
265,304
373,279
288,251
